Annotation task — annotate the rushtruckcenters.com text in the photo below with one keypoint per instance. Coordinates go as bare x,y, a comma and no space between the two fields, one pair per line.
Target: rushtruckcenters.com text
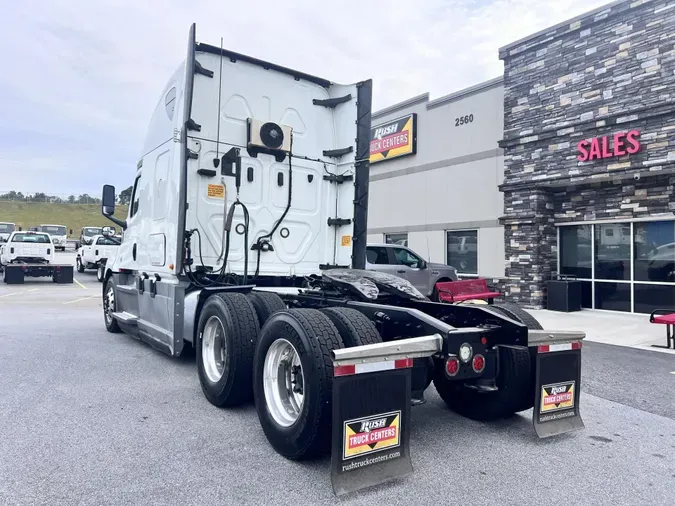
369,461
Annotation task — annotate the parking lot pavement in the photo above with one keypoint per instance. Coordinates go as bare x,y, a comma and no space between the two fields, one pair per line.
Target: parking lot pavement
88,417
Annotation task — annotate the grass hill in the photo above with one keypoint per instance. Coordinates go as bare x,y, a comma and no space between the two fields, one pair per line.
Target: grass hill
73,216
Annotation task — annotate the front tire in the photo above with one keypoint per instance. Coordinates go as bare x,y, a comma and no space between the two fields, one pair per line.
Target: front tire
110,306
226,338
79,266
100,272
293,382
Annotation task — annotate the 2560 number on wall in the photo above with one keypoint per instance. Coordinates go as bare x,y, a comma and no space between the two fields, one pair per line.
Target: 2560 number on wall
463,120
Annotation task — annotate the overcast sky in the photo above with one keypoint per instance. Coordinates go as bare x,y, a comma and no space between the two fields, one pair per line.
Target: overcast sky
80,78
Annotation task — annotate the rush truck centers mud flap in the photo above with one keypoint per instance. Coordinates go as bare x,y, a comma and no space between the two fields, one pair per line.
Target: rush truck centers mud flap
371,424
558,388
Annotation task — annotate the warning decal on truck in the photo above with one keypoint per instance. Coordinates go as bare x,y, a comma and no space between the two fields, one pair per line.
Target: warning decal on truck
557,397
372,434
393,139
216,191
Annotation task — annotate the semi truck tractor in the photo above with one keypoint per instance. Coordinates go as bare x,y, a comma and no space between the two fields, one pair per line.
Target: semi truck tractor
245,240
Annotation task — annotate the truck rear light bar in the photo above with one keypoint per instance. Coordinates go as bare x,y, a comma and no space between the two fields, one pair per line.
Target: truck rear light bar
427,346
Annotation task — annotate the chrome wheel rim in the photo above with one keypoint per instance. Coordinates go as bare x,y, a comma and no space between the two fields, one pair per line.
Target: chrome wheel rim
283,382
214,349
109,304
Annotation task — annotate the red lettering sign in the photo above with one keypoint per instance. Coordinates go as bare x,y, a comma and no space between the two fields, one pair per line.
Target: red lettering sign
619,144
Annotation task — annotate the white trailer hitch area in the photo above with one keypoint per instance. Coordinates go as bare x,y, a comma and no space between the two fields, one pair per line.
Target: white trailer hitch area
372,402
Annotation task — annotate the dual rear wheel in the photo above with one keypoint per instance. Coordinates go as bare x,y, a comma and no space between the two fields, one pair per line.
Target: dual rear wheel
252,347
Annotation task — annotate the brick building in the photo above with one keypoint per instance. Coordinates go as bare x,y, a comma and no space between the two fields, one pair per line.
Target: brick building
589,157
564,166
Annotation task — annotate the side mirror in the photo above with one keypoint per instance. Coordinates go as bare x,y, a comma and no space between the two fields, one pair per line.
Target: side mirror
20,229
423,265
108,205
108,200
71,231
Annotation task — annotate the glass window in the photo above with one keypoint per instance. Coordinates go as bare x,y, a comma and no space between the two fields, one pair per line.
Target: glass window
38,238
377,255
654,251
135,197
575,251
587,294
463,251
612,296
400,239
612,252
405,257
651,297
107,241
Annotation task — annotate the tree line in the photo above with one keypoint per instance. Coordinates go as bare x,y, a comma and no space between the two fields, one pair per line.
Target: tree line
124,197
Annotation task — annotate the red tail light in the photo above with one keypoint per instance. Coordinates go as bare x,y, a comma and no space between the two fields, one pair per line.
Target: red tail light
452,366
478,363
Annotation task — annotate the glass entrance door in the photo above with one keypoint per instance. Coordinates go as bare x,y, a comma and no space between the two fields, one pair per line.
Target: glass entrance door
623,266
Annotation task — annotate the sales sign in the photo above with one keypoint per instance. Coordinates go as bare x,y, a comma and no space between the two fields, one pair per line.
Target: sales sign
618,144
394,138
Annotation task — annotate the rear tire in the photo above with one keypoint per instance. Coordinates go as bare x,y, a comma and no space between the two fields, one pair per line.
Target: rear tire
354,327
226,338
296,428
513,380
110,306
78,265
518,314
265,305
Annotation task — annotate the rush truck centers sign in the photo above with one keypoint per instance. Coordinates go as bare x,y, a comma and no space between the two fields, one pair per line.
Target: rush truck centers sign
393,139
609,146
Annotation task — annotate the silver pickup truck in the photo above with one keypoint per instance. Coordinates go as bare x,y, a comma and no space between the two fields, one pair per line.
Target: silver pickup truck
405,263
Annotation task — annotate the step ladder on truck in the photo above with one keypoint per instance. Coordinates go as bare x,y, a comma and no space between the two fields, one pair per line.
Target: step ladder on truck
245,240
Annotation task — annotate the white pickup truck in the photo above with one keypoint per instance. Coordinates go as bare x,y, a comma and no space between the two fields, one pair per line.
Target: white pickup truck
96,254
58,233
27,247
30,254
5,230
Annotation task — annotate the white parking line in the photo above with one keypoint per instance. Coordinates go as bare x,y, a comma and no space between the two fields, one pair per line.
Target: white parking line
80,300
19,293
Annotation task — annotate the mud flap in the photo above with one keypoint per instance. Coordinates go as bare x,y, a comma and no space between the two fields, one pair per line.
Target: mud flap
558,389
371,424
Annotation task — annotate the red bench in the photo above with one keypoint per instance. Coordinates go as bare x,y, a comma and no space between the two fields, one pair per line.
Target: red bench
466,289
664,317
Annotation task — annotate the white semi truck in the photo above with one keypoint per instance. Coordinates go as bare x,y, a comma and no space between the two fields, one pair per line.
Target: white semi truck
246,239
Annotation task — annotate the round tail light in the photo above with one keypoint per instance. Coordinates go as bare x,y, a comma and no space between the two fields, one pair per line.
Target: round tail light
452,366
478,363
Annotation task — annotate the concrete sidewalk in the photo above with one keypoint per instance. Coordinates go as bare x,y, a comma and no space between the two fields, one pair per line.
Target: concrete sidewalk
621,329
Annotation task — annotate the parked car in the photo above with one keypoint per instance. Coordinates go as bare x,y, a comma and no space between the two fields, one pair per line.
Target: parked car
405,263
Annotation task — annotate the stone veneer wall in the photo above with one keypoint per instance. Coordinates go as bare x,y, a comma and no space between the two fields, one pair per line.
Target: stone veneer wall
612,70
